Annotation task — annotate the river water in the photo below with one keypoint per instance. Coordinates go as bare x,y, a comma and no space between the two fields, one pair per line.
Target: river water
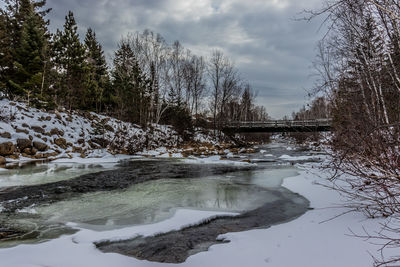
236,190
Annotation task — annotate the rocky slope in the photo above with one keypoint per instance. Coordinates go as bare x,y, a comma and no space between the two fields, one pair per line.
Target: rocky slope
28,133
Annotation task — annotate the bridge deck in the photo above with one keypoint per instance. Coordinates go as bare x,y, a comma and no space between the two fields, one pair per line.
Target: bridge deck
275,126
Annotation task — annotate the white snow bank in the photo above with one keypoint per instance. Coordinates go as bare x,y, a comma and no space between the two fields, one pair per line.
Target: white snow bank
78,250
299,158
215,160
104,158
305,242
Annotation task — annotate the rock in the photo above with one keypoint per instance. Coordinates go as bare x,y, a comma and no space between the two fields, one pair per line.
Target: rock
41,156
109,128
31,137
27,151
38,129
56,131
58,115
93,145
7,148
61,142
18,130
100,141
45,155
81,141
40,146
77,149
15,157
25,125
2,160
5,135
23,143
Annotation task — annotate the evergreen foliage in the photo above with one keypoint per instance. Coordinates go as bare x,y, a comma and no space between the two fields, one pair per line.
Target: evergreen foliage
97,78
132,87
23,47
150,80
69,59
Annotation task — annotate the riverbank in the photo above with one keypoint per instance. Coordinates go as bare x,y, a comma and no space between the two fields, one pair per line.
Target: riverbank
28,134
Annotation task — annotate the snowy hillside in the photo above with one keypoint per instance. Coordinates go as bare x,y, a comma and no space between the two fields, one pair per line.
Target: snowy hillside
29,133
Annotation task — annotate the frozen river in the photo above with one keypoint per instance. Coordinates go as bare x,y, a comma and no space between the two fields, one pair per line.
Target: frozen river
244,196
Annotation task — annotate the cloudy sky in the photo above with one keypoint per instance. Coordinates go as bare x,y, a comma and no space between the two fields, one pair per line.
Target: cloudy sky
272,50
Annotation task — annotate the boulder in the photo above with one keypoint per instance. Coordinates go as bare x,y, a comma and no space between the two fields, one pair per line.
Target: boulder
109,128
23,143
14,156
7,149
5,135
18,130
40,146
2,160
56,131
77,149
61,142
38,129
100,141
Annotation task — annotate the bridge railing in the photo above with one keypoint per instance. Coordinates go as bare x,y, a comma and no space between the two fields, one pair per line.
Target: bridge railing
279,123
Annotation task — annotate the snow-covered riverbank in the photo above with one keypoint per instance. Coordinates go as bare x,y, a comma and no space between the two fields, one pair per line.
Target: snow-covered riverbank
29,134
306,241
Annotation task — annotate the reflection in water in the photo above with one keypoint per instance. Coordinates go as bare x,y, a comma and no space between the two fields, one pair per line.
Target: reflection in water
155,201
48,172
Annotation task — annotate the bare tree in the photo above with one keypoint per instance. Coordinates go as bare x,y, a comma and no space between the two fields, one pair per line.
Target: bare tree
360,64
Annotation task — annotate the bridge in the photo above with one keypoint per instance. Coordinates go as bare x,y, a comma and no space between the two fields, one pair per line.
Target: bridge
279,126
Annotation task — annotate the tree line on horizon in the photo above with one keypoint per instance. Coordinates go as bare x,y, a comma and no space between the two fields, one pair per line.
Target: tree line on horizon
150,81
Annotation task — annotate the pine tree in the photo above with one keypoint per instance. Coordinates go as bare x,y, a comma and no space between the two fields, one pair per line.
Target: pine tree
97,78
5,53
16,18
30,57
69,59
131,85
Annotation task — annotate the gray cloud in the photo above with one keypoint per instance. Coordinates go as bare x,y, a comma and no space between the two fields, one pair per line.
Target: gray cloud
272,50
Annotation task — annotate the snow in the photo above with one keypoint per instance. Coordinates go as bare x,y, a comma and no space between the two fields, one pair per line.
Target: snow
104,157
215,160
312,240
299,158
78,249
80,132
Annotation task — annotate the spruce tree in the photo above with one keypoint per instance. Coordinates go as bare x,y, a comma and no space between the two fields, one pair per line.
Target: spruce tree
5,53
30,58
17,19
97,78
131,85
69,59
